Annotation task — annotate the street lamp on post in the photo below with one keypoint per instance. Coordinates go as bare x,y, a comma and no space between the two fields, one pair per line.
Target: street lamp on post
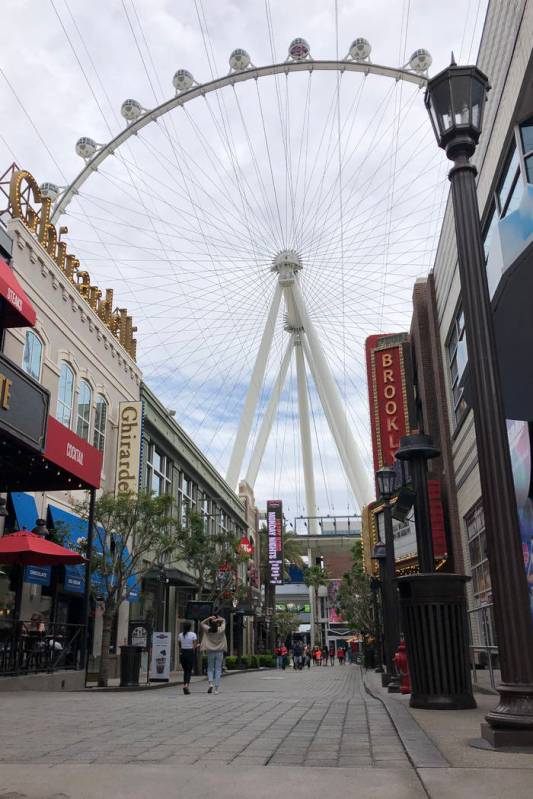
386,481
455,100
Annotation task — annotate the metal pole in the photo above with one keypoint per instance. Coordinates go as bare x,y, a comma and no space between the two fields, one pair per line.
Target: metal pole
512,613
268,417
84,646
391,606
250,403
305,437
424,540
333,408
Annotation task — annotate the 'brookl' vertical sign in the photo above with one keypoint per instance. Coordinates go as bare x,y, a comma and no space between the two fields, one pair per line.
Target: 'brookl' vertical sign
275,540
130,424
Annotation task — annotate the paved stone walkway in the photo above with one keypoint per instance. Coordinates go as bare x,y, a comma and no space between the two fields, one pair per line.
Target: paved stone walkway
320,717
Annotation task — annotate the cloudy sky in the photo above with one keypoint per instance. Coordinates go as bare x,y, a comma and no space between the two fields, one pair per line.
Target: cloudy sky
184,219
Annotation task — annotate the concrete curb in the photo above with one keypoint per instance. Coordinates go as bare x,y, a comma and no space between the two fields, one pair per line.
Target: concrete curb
154,686
420,749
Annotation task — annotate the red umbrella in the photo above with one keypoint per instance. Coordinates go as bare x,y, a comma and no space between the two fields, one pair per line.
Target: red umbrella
29,549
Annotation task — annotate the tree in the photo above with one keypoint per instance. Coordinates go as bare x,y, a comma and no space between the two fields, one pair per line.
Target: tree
314,577
128,531
354,597
213,557
284,622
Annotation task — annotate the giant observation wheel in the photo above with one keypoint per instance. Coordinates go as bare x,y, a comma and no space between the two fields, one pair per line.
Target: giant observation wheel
260,225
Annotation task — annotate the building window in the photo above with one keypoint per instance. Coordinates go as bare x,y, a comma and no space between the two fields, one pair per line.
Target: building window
186,499
158,471
479,563
457,360
64,395
83,416
100,422
33,352
510,186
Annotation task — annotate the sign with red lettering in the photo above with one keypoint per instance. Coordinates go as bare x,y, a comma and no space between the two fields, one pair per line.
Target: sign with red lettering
387,390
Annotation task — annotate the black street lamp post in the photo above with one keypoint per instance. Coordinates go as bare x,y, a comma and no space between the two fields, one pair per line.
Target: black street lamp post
386,479
455,99
374,587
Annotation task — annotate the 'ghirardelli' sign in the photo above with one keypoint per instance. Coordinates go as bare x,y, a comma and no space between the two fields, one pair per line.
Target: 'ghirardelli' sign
129,447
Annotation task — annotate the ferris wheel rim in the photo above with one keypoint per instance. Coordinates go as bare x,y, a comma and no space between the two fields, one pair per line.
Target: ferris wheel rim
201,89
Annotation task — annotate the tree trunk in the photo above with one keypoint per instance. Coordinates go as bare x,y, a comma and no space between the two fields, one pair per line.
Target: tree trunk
105,656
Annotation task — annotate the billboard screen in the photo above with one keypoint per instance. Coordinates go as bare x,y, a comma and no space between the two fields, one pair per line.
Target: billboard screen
275,540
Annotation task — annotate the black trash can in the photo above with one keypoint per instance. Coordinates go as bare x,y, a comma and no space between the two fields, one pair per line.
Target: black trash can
130,665
435,625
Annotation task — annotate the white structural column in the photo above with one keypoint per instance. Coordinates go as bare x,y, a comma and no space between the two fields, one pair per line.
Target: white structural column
329,397
269,416
254,389
305,437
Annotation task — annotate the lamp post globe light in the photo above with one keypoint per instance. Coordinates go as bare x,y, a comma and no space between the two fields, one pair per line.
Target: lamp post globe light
455,100
386,480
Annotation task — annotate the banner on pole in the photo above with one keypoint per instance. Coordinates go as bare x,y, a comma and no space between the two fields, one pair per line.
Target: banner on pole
275,540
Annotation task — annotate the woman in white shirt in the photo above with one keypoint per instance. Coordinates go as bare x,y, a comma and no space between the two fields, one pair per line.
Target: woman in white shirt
187,642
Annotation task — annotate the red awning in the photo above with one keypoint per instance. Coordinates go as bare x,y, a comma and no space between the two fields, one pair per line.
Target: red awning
29,549
72,453
18,310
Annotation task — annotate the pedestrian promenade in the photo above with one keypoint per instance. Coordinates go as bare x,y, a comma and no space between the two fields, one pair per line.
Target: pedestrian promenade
310,733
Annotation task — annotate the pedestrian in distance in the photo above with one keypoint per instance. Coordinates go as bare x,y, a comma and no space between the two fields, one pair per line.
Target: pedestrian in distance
214,643
187,642
307,652
279,657
332,654
340,655
284,656
325,656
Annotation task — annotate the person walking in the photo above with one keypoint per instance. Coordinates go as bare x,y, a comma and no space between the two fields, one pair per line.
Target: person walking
340,655
187,641
214,643
279,657
284,656
332,654
325,656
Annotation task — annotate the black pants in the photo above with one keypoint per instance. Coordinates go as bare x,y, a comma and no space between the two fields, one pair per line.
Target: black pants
187,664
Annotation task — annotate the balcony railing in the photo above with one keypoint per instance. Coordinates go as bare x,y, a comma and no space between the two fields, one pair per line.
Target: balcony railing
24,650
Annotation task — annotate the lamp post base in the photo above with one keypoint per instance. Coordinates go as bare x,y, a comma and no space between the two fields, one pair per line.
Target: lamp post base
507,738
394,684
511,721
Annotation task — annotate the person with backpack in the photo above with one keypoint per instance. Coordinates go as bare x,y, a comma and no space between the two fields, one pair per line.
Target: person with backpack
187,641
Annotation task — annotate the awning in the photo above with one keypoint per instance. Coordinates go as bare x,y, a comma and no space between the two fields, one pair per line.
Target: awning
67,463
72,453
75,528
18,310
24,509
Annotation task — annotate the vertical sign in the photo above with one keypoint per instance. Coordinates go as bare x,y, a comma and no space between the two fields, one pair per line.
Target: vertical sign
387,390
160,661
275,540
130,428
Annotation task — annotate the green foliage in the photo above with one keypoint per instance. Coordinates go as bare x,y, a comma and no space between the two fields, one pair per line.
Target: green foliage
354,597
267,661
205,552
315,576
254,662
245,661
129,530
231,663
285,622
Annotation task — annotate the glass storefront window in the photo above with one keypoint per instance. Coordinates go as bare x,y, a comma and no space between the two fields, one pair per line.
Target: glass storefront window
158,468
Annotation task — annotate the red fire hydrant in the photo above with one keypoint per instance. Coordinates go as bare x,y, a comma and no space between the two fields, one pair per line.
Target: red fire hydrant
400,659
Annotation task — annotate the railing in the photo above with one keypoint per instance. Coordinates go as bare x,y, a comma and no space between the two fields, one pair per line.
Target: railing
482,628
24,650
